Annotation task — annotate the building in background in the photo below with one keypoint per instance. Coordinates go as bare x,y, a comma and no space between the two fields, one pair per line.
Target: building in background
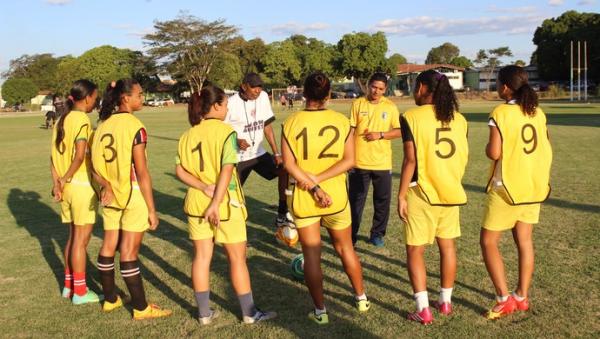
407,73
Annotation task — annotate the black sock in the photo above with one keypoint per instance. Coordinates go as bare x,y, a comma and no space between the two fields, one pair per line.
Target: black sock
106,266
282,209
130,271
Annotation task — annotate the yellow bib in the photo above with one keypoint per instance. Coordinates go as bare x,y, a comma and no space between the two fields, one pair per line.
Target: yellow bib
442,153
77,126
112,154
317,140
200,152
526,154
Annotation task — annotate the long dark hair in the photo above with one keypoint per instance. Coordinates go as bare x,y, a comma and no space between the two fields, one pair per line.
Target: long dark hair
516,79
80,90
112,96
317,87
444,99
200,103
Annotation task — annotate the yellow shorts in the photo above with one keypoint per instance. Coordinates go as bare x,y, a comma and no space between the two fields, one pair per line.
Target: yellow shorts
79,204
229,232
134,218
426,222
337,221
500,215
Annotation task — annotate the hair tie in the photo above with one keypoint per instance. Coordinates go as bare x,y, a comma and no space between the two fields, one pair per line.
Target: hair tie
439,75
70,97
113,84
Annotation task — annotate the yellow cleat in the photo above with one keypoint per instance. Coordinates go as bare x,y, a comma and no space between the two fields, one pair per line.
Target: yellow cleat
108,306
321,319
363,305
152,311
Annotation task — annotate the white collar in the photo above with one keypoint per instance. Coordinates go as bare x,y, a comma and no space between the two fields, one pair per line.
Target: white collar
512,102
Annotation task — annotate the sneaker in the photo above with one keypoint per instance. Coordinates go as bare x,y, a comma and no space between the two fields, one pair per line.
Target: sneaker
152,311
444,308
207,320
284,220
522,305
107,306
377,241
88,297
502,309
259,316
363,305
321,319
67,293
424,317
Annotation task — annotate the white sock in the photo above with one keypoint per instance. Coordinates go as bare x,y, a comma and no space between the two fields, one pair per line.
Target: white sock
422,300
446,295
319,312
361,297
518,297
501,299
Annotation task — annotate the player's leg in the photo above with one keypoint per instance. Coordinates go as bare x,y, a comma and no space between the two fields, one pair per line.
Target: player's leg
81,239
382,196
68,286
358,182
523,236
448,261
310,239
203,251
418,279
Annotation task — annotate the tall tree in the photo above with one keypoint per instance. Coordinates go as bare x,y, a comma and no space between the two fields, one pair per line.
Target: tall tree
461,61
16,90
188,46
104,64
314,55
41,69
442,54
393,61
282,65
362,54
227,71
553,39
490,59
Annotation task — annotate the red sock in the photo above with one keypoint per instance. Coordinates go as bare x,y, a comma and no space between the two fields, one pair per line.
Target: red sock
68,278
79,283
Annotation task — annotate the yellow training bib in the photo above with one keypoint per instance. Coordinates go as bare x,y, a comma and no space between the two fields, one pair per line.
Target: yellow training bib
442,153
317,140
201,154
77,127
526,154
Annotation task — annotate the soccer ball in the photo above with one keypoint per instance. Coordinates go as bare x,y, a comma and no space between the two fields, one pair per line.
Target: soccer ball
298,267
287,234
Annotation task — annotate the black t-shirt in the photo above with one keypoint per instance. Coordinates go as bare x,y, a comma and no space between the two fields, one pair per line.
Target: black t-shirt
406,137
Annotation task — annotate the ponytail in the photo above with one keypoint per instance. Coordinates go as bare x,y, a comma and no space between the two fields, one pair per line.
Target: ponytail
112,96
445,102
201,103
80,90
516,79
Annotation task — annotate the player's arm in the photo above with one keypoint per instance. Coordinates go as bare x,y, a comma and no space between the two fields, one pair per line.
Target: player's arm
212,212
56,187
408,170
391,134
303,180
192,181
493,150
270,135
78,159
344,165
145,182
106,194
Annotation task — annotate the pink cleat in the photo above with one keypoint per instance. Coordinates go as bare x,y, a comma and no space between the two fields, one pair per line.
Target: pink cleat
444,308
522,305
424,317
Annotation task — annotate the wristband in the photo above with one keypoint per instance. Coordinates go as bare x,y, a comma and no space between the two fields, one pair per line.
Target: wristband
315,189
381,135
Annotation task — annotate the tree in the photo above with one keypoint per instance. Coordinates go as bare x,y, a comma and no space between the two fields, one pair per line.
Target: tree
393,61
491,59
41,69
461,61
442,54
250,53
189,46
314,55
16,90
553,39
360,55
282,65
520,63
227,71
104,64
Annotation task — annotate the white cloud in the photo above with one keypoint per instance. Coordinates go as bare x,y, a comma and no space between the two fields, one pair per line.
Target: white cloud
514,10
556,2
437,27
290,28
133,30
57,2
586,2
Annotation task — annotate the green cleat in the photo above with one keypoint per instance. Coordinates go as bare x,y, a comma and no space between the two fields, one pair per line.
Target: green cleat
321,319
67,293
88,297
363,305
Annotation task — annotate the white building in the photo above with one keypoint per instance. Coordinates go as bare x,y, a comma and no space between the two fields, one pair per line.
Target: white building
407,73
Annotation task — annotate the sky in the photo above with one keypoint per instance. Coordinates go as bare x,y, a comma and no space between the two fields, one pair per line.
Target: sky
64,27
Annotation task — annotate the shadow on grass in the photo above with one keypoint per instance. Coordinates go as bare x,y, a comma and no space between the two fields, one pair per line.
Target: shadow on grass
558,119
42,223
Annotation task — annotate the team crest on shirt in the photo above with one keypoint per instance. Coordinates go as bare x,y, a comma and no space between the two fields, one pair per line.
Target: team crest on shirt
384,115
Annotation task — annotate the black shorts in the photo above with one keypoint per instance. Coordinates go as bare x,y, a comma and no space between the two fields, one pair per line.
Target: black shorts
263,165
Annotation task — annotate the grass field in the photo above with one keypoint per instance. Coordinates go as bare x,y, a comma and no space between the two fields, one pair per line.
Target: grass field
565,293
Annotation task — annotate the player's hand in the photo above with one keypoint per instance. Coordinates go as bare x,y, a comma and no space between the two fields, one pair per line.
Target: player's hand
57,192
212,215
278,160
370,136
403,209
243,144
152,220
323,199
107,196
209,190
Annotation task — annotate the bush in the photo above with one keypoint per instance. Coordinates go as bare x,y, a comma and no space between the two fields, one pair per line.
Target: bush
554,92
18,90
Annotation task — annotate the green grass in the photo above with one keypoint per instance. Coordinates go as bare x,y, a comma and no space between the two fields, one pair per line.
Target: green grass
565,293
